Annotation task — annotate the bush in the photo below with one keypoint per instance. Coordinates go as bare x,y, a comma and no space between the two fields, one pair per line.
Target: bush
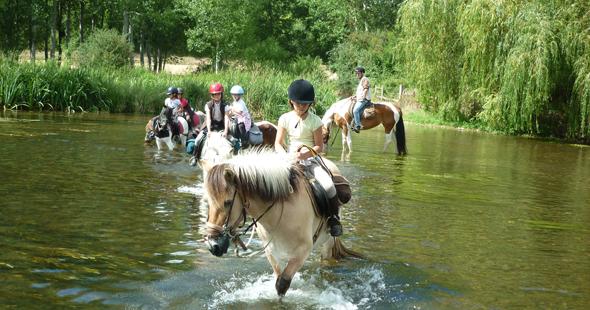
374,51
267,50
105,48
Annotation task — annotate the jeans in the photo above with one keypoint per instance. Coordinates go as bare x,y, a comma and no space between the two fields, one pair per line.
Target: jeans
358,111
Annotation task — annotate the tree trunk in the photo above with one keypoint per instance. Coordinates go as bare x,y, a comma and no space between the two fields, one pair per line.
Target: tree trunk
149,55
216,57
159,60
33,37
132,56
126,24
141,47
81,23
68,24
54,28
365,17
60,32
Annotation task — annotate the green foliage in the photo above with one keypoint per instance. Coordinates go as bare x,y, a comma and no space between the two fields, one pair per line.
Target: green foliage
517,66
51,87
105,48
267,50
374,51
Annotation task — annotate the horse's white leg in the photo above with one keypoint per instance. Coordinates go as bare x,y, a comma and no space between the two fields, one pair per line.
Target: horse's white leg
169,143
159,143
349,141
388,139
183,141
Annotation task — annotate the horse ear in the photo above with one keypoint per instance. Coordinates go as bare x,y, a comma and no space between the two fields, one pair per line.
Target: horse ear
230,176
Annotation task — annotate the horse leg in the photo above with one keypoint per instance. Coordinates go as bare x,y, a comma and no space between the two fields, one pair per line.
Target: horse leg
284,280
159,143
388,140
183,141
169,143
273,263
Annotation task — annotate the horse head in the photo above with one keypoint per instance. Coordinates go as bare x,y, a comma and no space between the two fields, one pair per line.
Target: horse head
226,207
161,126
217,148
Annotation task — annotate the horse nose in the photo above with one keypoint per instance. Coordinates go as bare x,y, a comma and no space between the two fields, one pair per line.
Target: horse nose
215,248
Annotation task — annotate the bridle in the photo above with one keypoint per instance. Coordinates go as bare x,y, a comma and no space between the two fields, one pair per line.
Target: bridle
230,229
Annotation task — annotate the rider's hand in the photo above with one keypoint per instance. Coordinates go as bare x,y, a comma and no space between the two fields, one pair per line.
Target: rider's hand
224,134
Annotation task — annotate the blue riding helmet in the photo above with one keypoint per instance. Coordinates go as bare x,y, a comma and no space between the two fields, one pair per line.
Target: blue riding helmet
172,90
237,90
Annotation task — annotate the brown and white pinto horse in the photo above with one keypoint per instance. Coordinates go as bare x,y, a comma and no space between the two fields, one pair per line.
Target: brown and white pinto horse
386,114
271,188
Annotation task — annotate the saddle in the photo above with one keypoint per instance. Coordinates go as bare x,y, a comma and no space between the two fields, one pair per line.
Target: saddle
368,112
343,192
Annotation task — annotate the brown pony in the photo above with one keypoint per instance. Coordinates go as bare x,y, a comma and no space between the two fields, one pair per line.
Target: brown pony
272,189
386,114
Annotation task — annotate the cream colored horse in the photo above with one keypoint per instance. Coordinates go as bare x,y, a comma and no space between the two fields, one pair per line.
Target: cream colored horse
270,188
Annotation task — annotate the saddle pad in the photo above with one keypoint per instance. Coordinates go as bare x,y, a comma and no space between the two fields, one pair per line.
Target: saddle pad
255,135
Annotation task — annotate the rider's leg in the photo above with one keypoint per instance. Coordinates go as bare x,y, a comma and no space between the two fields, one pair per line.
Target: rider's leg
356,114
243,135
326,181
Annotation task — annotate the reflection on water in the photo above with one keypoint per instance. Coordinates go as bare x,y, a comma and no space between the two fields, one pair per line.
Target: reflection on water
90,216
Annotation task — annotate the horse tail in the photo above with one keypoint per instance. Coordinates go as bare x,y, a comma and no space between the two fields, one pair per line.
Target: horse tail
400,136
339,251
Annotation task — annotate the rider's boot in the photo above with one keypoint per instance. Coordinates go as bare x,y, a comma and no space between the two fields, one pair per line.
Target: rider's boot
334,219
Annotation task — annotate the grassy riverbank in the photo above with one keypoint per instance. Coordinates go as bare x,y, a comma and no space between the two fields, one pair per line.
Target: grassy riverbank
49,87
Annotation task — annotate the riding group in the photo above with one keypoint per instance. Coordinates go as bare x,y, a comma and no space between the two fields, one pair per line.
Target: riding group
291,193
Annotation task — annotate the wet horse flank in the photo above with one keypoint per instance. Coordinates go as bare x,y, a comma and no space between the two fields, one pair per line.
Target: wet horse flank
272,189
386,114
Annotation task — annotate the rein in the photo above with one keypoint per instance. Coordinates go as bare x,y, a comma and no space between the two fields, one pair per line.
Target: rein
228,228
335,135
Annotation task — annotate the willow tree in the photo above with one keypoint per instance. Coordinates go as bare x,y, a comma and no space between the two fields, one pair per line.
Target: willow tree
516,66
431,52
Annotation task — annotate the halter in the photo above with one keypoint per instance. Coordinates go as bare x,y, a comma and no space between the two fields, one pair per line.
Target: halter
227,229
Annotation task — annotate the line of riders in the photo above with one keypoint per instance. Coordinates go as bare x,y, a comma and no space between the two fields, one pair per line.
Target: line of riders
220,116
299,132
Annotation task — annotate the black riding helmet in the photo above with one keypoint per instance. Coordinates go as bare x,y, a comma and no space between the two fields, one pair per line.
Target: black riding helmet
301,91
359,69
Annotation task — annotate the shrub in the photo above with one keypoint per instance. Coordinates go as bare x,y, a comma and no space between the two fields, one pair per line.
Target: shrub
105,48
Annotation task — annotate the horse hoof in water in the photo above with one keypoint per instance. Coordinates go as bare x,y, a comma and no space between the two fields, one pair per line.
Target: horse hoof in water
282,285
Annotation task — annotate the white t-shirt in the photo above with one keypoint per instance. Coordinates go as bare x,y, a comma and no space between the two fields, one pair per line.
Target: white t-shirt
244,116
360,88
172,103
299,132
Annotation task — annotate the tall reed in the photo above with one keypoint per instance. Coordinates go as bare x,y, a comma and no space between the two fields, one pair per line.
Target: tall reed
51,87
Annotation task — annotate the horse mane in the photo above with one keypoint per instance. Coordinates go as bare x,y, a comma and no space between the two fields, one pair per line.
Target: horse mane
258,172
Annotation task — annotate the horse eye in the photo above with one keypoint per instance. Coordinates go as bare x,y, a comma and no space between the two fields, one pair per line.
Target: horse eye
227,204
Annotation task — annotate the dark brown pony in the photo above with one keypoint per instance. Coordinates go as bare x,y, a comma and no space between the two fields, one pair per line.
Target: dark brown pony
269,133
386,114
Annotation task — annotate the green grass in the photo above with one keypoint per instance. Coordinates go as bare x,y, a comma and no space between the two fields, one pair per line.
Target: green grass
49,87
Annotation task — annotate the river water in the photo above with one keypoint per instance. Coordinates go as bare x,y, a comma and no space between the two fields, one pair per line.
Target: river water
91,218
